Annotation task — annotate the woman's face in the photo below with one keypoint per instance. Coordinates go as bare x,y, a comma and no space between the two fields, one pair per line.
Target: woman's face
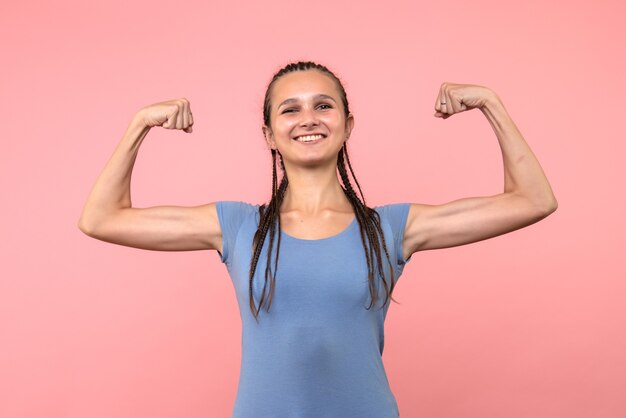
307,103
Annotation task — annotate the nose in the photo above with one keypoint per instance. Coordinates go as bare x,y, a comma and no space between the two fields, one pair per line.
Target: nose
309,117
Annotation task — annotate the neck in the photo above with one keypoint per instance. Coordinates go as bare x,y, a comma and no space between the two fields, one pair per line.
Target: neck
312,190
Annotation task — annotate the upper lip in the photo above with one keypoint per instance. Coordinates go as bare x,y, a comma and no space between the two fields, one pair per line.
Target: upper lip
311,133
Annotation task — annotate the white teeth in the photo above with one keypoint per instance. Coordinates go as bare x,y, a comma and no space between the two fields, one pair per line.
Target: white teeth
307,138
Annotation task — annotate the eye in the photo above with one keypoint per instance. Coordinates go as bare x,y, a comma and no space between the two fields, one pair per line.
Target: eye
292,109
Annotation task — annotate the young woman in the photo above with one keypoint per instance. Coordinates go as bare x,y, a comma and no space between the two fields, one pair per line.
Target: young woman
316,253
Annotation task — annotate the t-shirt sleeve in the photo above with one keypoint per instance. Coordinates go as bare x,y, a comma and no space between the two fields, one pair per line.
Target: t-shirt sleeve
231,215
396,214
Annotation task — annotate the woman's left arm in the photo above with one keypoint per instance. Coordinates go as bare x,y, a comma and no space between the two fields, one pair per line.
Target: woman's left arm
527,196
523,174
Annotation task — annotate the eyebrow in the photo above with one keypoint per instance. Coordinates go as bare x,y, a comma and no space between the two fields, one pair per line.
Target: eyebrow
317,96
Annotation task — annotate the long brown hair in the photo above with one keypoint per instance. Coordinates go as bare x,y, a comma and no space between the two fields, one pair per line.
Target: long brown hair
368,218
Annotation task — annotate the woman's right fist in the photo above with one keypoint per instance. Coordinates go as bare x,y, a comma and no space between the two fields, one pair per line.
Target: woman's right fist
170,114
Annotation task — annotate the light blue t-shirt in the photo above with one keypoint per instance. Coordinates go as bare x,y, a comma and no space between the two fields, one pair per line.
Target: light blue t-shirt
317,353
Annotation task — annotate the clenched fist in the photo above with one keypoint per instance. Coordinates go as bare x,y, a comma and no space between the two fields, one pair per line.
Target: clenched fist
455,98
170,114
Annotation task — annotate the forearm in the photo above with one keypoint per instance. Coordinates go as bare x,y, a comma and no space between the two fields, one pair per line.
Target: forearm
111,192
522,172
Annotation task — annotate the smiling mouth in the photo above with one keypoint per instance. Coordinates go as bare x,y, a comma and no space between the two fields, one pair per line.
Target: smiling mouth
310,138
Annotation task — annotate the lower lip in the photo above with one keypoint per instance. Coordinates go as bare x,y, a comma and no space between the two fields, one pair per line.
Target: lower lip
315,141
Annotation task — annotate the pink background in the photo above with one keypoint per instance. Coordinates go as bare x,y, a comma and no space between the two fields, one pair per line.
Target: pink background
529,324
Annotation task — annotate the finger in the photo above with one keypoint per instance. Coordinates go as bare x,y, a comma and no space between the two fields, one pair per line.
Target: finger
445,102
190,114
189,127
171,120
179,116
185,114
439,99
462,105
454,102
445,97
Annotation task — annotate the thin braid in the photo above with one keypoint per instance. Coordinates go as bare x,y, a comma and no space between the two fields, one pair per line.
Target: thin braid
360,215
367,213
345,151
259,238
269,215
376,222
276,216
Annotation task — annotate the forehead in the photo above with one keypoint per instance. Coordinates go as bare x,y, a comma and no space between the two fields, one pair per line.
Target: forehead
302,85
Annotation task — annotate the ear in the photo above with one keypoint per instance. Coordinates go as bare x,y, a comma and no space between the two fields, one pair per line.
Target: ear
349,125
269,137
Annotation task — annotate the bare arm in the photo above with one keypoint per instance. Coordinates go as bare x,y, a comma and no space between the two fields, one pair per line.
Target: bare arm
108,214
527,197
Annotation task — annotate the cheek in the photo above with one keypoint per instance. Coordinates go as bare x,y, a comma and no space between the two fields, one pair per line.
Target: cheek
287,124
284,129
333,122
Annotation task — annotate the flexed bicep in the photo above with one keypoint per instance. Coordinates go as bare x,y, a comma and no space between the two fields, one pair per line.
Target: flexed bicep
467,220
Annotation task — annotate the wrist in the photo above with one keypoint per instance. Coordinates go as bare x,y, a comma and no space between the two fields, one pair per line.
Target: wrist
138,121
136,130
138,118
492,102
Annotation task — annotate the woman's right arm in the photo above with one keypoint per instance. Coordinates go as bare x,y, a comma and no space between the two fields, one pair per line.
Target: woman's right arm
108,214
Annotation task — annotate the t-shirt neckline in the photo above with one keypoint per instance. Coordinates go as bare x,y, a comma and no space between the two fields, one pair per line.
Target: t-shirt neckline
344,231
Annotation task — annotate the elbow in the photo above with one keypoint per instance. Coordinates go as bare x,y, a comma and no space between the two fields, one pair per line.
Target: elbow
554,206
85,227
91,224
549,207
541,206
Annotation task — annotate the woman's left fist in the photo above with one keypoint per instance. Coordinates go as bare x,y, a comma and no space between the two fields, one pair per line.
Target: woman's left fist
454,98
